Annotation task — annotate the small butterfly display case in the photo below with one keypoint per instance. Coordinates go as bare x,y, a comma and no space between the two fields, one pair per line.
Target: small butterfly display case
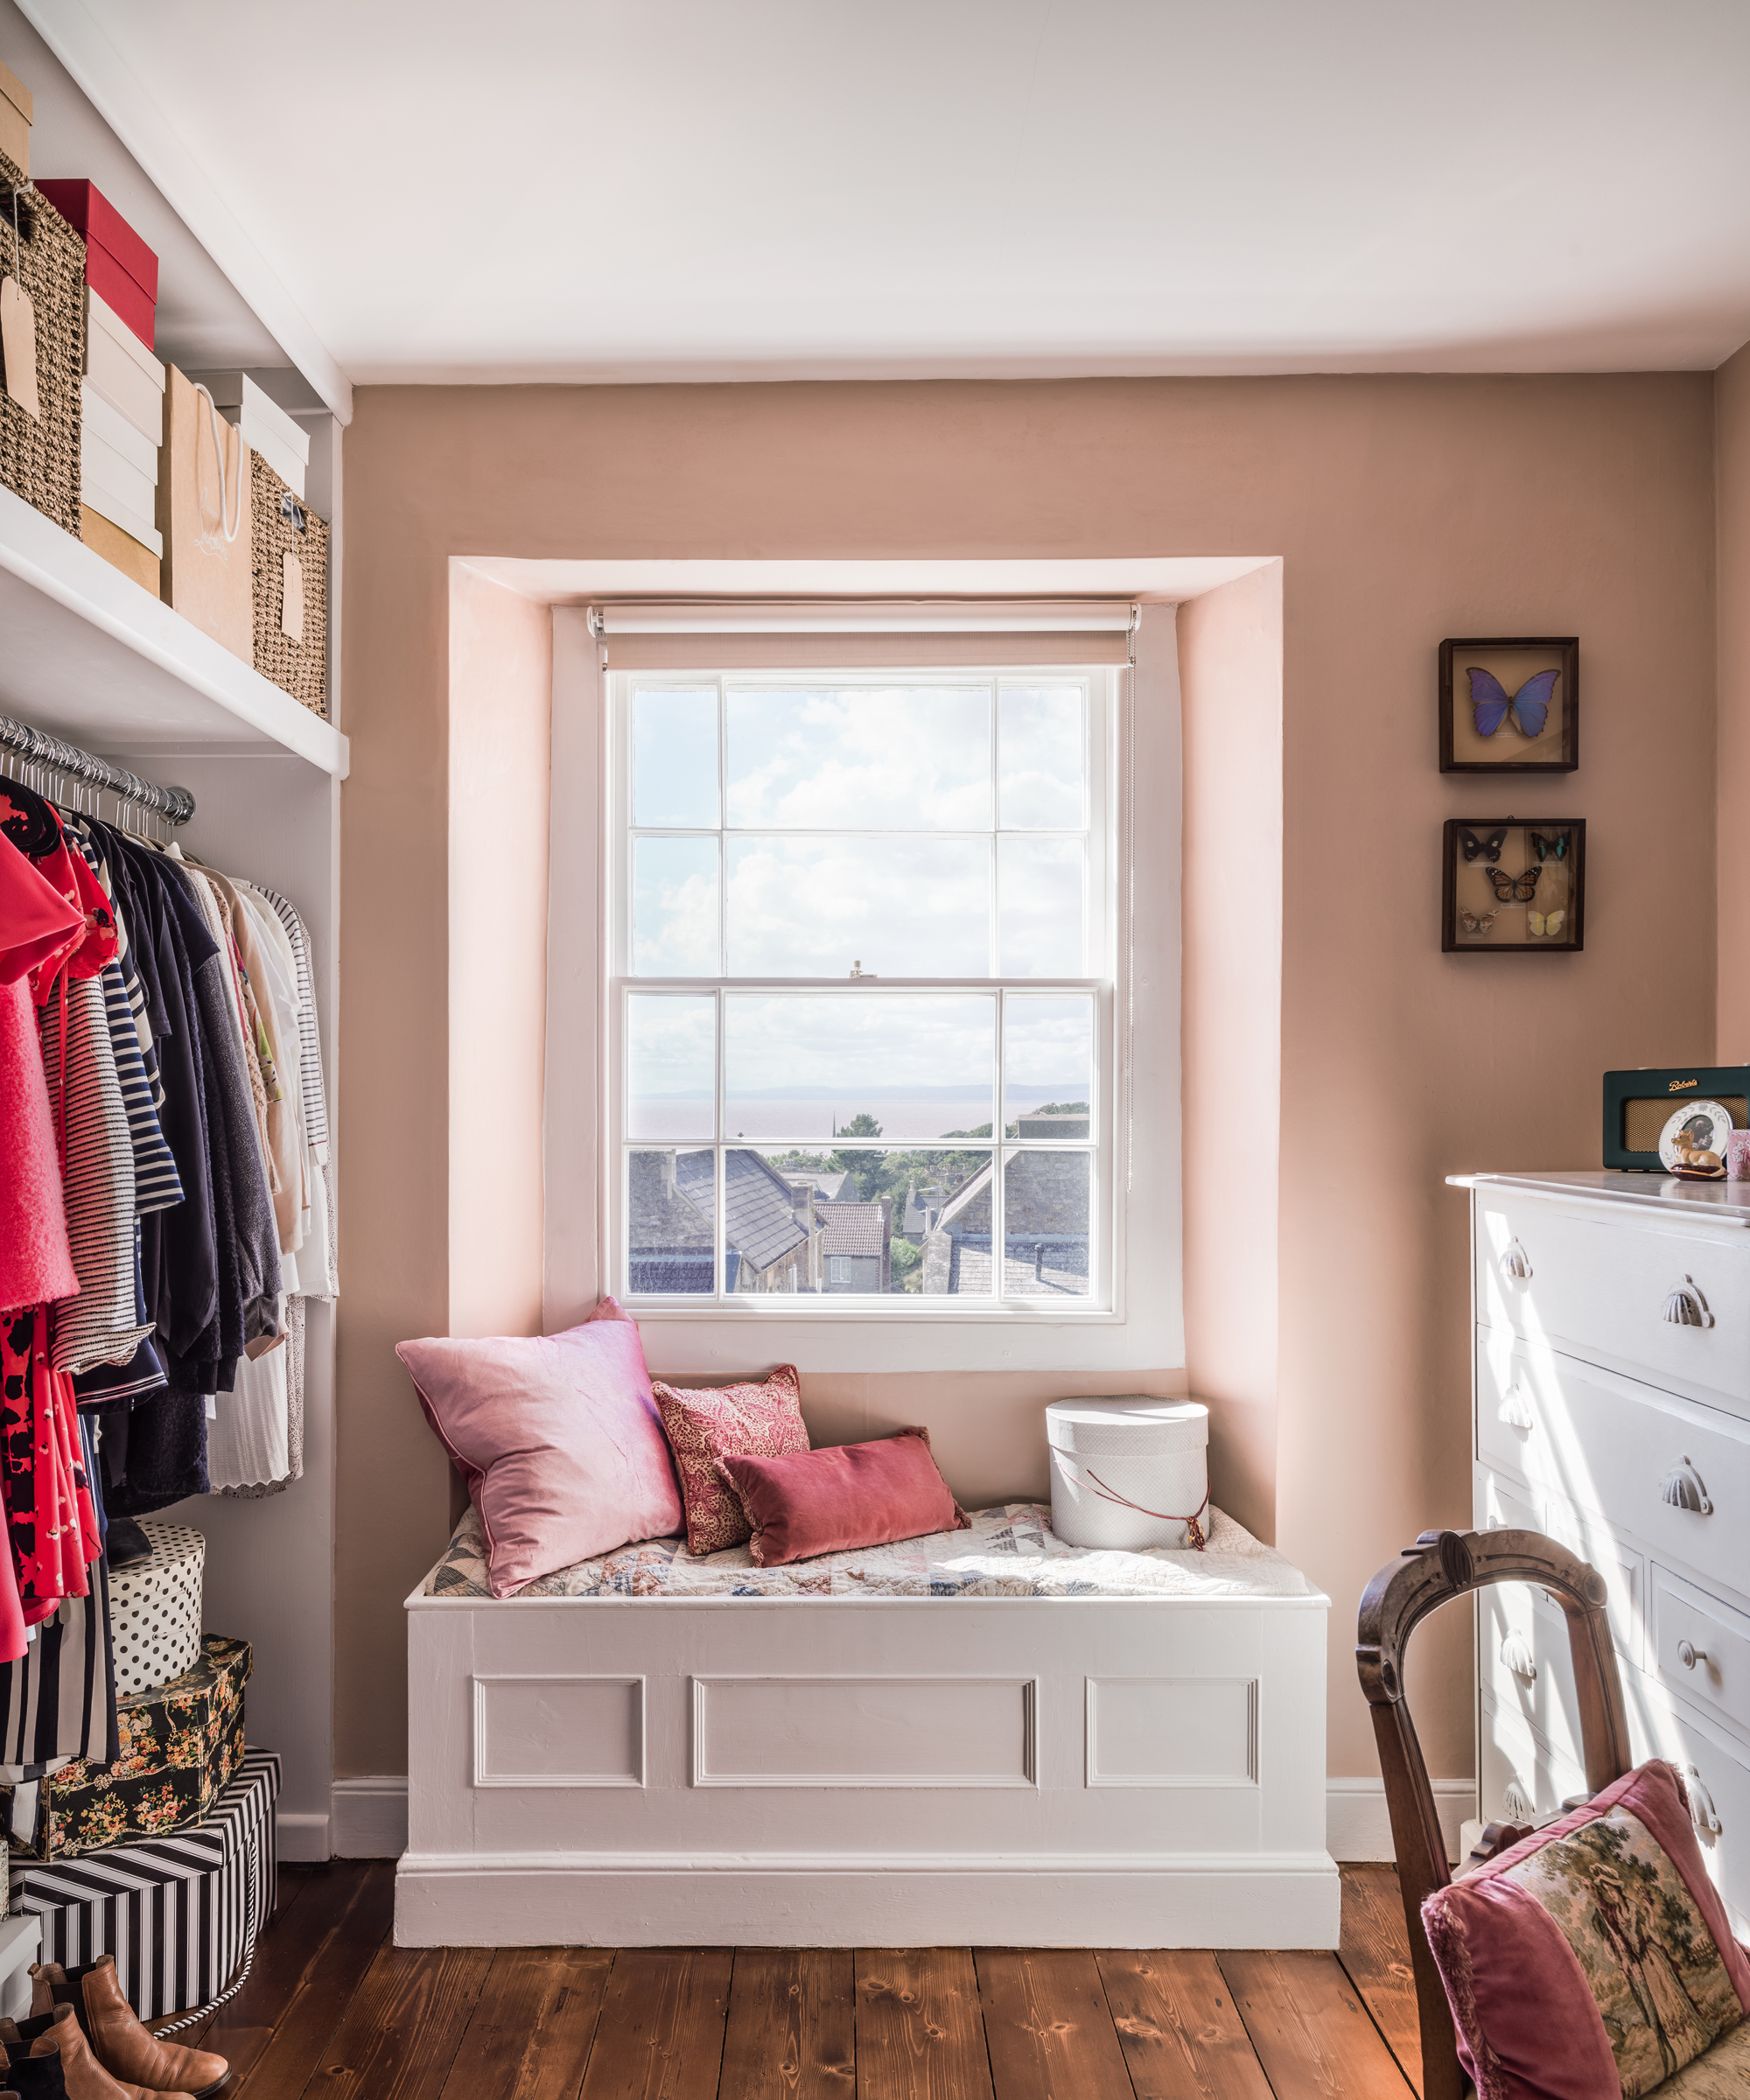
1513,886
1510,705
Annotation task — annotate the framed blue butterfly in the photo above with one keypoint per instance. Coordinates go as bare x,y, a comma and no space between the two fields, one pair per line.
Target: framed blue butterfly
1529,706
1543,718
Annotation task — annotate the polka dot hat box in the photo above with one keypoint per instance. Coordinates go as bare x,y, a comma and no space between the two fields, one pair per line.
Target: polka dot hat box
155,1610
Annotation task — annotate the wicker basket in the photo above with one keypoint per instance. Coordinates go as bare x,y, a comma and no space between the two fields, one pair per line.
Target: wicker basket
285,524
39,457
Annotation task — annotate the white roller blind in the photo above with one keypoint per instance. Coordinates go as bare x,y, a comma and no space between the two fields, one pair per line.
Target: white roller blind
803,635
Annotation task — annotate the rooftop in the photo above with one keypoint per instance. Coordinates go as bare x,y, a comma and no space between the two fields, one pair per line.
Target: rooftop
762,1225
854,1228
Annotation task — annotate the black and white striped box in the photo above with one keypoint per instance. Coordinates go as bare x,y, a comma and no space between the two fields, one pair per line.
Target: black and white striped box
179,1913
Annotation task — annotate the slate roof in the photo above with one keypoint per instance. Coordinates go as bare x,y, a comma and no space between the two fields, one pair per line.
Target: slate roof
853,1228
763,1228
824,1183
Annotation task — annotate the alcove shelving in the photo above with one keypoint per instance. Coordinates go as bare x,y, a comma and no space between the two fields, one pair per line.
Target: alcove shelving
87,655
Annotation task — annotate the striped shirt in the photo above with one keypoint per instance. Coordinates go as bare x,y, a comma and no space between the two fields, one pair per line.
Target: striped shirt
309,1046
103,1324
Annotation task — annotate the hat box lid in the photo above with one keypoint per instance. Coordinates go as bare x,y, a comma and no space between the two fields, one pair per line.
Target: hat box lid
1127,1425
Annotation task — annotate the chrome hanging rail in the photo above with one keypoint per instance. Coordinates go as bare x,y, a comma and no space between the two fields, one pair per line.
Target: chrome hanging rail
62,772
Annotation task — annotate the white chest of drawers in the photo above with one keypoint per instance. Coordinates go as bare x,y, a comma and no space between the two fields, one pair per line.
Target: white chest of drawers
1610,1409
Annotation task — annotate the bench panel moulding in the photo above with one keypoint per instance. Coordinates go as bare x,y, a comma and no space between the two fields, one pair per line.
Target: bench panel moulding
1220,1841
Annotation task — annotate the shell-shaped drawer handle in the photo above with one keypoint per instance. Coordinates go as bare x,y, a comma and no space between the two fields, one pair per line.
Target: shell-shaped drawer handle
1682,1487
1517,1803
1516,1264
1515,1652
1686,1307
1688,1654
1703,1813
1516,1410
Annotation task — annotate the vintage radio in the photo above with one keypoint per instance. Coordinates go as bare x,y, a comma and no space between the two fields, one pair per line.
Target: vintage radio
1637,1106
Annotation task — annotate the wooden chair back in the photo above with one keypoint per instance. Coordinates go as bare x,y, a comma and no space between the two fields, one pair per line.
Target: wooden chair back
1440,1566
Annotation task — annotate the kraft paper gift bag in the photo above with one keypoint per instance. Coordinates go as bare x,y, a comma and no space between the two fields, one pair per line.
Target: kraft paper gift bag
204,512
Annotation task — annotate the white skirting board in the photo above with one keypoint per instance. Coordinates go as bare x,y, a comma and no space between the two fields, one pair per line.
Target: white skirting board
1357,1826
370,1818
305,1839
1049,1900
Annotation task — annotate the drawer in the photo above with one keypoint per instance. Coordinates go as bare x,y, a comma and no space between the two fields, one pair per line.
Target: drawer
1701,1647
1606,1444
1624,1571
1523,1779
1599,1287
1716,1770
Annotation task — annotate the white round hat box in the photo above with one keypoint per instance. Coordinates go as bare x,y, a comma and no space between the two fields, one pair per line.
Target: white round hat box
1129,1472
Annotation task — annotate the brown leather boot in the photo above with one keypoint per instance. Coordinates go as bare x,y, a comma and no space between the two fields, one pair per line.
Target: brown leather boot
125,2050
86,2079
61,2037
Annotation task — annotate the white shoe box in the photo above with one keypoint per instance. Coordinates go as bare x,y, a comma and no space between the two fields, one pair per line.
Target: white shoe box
264,426
120,369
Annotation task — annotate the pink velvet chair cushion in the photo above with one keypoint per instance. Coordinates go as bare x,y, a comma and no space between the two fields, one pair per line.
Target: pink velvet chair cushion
558,1438
761,1418
855,1494
1594,1957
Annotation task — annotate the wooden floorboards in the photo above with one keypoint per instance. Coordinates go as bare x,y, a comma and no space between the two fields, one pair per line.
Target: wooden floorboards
332,2009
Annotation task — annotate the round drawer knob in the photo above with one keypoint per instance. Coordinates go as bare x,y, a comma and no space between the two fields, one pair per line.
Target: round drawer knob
1688,1654
1515,1263
1682,1487
1686,1307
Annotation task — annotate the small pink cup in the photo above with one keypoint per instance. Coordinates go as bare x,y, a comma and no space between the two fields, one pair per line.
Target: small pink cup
1738,1156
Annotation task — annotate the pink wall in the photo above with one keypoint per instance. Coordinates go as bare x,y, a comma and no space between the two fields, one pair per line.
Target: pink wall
501,740
1731,416
1402,510
1230,682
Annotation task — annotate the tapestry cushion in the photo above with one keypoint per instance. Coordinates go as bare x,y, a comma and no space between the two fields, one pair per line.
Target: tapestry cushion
708,1425
1595,1956
853,1494
558,1438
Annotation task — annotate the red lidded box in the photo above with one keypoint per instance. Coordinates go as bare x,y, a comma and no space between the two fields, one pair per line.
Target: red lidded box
119,267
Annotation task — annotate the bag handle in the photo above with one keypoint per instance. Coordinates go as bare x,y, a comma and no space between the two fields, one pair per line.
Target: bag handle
231,530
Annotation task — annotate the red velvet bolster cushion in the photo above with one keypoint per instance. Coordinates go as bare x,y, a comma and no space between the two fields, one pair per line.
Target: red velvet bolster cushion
846,1495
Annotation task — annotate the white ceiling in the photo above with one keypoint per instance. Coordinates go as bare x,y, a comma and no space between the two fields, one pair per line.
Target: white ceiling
597,189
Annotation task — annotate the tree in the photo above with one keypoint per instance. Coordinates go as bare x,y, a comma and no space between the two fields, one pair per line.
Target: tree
868,1170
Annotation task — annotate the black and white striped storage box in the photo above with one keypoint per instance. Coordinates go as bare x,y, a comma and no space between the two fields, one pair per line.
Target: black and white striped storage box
180,1914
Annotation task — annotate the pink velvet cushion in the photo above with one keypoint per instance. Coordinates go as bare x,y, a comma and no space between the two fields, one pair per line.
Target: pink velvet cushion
705,1425
1594,1957
856,1494
558,1439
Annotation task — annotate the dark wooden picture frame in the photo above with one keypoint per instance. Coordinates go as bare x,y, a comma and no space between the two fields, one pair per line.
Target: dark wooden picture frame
1573,932
1564,646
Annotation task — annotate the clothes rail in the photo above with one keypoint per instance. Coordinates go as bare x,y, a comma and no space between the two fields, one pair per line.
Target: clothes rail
62,772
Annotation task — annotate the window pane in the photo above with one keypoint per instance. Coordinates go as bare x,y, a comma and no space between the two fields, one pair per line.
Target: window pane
902,908
909,758
672,1215
673,908
670,1067
861,1219
1044,757
674,758
1039,898
1046,1199
1049,1065
859,1064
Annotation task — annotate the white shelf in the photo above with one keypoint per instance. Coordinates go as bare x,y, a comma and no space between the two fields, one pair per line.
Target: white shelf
87,655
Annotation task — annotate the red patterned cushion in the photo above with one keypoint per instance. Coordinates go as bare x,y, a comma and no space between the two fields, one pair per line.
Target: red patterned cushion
1594,1957
706,1424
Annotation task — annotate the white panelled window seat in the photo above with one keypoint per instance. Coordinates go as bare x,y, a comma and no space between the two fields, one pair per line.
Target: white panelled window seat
978,1736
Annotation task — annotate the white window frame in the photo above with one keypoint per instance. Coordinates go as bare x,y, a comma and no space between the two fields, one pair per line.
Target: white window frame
1140,1325
1101,699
